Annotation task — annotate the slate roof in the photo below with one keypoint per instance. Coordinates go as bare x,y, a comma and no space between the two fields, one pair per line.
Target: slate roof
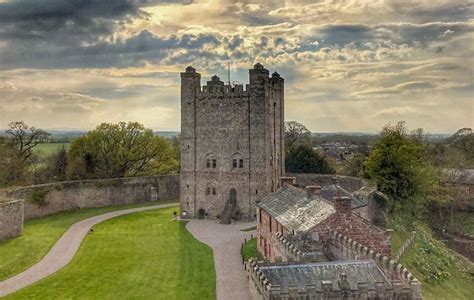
292,209
313,273
328,192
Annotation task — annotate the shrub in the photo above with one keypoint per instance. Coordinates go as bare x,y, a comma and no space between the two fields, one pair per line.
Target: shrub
38,196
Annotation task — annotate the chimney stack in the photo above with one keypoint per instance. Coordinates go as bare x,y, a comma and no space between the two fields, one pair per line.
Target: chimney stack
342,205
288,180
313,190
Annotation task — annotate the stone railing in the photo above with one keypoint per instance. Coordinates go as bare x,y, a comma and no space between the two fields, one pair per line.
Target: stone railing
346,248
405,246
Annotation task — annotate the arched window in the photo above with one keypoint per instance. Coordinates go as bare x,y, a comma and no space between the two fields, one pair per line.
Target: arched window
237,161
211,161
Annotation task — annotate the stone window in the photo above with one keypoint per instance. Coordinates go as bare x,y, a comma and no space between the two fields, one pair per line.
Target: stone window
270,224
214,191
256,192
211,161
208,191
260,215
237,161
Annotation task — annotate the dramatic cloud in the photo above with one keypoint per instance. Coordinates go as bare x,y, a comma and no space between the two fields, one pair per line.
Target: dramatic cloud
349,65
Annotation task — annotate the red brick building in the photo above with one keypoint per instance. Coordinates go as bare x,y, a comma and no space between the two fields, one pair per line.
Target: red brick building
303,215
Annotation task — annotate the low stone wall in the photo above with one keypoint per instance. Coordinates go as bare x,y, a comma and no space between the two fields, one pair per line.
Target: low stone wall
11,218
351,184
46,199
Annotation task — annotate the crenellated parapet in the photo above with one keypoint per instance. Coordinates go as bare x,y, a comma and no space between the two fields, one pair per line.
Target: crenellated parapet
344,247
340,287
288,251
257,278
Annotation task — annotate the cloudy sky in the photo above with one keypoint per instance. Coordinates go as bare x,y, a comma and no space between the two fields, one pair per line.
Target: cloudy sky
350,65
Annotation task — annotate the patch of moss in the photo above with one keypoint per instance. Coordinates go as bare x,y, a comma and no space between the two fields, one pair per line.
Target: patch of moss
38,196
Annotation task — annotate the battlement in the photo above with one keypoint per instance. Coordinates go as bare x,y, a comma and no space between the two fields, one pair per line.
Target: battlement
345,248
217,88
341,286
289,251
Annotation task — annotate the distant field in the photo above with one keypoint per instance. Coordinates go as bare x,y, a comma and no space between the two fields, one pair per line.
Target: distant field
47,149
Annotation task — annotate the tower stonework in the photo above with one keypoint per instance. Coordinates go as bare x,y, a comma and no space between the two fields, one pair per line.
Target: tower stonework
232,151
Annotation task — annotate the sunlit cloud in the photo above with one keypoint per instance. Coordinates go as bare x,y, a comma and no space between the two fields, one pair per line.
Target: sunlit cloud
348,65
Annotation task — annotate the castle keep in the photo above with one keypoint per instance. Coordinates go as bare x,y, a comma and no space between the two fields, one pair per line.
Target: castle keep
231,144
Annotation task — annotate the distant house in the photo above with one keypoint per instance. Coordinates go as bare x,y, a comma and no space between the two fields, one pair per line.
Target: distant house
461,179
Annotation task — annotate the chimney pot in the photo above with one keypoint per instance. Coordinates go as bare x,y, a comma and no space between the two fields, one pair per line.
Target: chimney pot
313,190
342,204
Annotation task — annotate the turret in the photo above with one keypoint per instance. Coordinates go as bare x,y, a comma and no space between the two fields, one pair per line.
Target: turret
190,82
258,75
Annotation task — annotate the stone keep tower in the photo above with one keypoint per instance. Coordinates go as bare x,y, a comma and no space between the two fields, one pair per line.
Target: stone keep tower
232,151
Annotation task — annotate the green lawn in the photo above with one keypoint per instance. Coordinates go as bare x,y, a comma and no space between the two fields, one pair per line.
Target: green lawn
47,149
144,255
39,235
250,250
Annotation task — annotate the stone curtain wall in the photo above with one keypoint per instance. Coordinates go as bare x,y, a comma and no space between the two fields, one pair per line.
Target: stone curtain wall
351,184
46,199
11,218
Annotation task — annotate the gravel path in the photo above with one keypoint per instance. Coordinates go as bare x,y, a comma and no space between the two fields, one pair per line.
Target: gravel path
225,241
64,250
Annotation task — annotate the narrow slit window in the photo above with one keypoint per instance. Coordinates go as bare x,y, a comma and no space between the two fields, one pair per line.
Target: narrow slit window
214,163
214,191
208,163
234,163
208,191
241,163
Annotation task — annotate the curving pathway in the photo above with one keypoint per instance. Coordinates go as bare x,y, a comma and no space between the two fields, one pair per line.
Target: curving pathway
225,241
64,250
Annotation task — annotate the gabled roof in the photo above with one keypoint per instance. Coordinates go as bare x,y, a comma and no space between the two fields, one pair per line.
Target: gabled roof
313,273
292,209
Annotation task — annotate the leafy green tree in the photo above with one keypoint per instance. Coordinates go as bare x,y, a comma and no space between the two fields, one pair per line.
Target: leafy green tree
11,164
120,150
17,160
399,166
355,167
303,159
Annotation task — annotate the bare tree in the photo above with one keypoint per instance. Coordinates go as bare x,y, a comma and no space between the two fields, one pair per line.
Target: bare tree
296,134
24,138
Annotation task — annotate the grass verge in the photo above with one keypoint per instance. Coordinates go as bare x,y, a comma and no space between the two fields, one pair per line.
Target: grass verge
39,235
144,255
442,272
249,250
